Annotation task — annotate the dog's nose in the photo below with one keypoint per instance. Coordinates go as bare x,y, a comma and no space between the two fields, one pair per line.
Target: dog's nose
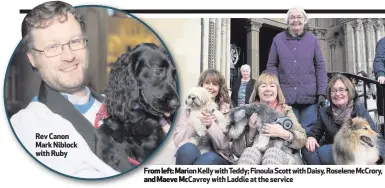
174,104
193,98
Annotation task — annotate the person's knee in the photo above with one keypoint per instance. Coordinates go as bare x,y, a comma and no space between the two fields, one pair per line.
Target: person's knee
326,155
250,156
187,149
209,158
309,157
274,156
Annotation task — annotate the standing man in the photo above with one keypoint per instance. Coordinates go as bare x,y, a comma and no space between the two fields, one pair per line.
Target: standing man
296,58
57,126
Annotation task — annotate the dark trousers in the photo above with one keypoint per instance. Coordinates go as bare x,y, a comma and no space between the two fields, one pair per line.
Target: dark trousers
306,115
189,154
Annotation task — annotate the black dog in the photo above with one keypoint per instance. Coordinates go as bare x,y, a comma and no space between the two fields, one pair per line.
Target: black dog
141,90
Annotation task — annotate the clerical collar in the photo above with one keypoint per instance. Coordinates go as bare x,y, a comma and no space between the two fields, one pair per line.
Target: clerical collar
76,100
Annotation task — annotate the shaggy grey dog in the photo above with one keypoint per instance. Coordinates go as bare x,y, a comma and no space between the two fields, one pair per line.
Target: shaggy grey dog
239,117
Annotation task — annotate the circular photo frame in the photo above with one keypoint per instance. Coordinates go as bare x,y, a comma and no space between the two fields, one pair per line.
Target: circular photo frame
90,91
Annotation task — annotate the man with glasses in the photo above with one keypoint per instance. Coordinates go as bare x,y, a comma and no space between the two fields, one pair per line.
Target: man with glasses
57,126
296,58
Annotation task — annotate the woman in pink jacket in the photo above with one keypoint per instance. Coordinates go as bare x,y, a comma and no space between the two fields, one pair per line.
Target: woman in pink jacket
219,153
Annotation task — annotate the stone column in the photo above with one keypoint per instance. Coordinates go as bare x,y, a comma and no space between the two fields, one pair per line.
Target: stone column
357,25
349,48
205,44
382,34
368,25
252,46
228,40
223,47
212,49
332,46
378,25
321,36
363,45
218,43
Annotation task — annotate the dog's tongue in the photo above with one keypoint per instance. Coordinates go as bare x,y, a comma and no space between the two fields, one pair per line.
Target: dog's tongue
167,114
367,140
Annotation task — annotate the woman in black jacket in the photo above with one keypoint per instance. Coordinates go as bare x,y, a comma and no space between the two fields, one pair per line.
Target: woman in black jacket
242,88
341,93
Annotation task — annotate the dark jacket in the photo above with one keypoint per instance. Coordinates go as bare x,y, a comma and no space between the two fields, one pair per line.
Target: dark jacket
379,60
235,88
325,125
300,67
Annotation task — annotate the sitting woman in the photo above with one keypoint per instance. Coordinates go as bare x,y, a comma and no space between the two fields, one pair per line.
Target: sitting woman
341,93
219,154
267,90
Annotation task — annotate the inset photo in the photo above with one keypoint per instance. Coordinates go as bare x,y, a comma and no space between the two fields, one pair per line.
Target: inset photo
90,92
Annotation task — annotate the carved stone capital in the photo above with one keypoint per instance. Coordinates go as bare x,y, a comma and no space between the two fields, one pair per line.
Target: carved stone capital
368,25
357,24
252,25
320,33
378,23
344,28
341,21
333,44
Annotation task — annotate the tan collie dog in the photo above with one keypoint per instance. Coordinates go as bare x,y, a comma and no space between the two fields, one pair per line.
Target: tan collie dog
355,143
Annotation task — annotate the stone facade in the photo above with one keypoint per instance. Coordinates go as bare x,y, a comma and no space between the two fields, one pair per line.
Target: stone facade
348,45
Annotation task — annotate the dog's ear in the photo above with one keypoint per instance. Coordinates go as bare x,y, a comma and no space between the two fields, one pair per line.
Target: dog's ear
122,89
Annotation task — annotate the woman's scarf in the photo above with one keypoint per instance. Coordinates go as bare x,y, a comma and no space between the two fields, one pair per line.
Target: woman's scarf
341,115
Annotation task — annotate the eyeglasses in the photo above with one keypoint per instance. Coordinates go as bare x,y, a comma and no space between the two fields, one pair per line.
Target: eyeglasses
294,18
341,90
57,49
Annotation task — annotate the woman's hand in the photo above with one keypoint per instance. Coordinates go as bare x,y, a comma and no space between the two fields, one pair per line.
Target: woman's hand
207,119
311,144
275,130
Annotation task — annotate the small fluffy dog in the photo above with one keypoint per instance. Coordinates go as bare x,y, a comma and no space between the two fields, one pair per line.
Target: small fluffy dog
199,100
355,143
238,120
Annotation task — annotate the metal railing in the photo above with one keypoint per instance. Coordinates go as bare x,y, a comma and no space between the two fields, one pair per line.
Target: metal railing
380,88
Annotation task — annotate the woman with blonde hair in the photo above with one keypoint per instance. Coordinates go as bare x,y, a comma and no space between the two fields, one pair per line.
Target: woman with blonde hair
267,90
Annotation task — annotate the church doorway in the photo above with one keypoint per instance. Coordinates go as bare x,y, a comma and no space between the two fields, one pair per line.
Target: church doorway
266,36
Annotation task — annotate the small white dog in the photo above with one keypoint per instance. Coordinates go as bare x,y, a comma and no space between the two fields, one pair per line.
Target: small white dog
200,100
